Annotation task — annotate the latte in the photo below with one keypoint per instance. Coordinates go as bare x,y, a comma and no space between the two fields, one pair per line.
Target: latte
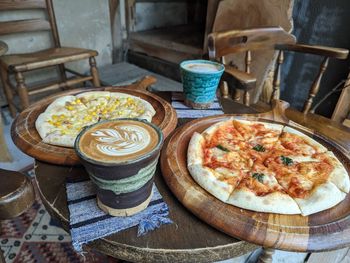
118,141
201,67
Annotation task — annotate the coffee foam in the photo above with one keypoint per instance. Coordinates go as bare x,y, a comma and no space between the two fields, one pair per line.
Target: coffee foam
118,141
201,67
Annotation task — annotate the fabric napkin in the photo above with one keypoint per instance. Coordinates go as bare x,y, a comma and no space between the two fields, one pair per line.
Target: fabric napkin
88,222
183,111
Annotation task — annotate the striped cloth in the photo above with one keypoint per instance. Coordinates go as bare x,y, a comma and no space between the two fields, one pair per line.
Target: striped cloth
88,222
177,101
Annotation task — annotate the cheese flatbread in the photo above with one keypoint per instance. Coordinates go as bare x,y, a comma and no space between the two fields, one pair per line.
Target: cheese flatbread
65,117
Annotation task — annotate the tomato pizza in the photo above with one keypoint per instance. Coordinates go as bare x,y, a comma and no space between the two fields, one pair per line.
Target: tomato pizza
266,167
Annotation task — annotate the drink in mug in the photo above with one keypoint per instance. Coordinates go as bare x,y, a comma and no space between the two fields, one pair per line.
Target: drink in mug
121,157
200,79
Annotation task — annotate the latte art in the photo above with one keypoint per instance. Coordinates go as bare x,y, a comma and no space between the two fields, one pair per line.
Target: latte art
121,140
118,141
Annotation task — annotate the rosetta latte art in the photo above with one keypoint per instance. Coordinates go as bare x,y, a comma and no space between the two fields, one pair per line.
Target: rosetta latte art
121,140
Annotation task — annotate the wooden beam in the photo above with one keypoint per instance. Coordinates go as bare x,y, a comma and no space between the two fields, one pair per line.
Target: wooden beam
21,26
6,5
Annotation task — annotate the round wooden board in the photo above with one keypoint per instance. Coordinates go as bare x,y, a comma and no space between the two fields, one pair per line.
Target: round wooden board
325,230
26,137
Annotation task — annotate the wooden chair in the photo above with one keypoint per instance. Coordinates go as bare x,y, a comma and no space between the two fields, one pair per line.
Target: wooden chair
17,64
221,44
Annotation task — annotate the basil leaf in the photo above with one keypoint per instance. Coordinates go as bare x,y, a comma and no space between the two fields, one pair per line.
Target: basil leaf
259,148
259,177
286,160
222,148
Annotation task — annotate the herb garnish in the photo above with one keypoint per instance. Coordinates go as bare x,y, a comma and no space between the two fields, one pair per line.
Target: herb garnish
286,160
259,148
259,177
222,148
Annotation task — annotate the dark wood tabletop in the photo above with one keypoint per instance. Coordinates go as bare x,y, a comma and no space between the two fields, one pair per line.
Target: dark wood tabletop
188,239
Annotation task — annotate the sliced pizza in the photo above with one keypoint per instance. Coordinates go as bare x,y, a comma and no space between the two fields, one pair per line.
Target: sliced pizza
259,191
267,168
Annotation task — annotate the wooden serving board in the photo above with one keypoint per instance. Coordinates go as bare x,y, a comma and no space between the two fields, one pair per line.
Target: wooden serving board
26,137
329,229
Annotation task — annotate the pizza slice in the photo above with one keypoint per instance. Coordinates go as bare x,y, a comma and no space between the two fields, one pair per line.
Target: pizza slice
308,183
259,191
256,132
299,143
338,174
215,169
128,106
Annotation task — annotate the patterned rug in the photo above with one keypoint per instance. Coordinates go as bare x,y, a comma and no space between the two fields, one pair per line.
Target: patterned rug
36,237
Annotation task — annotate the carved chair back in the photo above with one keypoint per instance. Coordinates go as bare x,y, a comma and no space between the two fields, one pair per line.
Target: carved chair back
221,44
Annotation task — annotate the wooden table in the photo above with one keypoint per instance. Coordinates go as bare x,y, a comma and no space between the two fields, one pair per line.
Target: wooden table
188,239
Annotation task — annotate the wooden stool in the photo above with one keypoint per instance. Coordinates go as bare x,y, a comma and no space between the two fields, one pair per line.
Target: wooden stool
16,196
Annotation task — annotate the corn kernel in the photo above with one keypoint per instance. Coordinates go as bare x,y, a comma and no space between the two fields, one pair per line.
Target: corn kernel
69,107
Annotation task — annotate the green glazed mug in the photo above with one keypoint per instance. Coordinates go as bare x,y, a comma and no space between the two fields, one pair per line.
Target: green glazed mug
200,79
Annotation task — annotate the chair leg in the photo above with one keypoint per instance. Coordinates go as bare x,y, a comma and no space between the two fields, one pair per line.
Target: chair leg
2,258
246,98
8,91
22,90
94,72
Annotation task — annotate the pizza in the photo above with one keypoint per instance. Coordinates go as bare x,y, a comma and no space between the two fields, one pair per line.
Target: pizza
65,117
266,167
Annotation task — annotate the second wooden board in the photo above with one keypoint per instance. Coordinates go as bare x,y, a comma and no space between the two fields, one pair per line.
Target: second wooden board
26,137
329,229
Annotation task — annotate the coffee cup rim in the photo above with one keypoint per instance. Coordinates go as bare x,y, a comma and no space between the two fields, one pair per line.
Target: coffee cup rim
198,61
142,157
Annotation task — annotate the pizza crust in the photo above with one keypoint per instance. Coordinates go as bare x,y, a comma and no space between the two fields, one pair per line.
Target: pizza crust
275,202
58,105
323,197
208,180
194,151
339,176
91,95
66,140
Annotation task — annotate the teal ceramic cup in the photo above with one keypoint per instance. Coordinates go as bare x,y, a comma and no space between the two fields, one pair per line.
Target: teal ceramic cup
200,79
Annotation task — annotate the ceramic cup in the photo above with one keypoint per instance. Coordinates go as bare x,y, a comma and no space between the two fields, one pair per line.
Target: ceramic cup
200,79
121,157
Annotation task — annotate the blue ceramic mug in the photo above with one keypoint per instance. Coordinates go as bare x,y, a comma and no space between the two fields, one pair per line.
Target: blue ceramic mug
200,79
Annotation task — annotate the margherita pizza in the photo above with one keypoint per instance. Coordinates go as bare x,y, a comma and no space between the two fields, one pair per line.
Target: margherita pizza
266,167
65,117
